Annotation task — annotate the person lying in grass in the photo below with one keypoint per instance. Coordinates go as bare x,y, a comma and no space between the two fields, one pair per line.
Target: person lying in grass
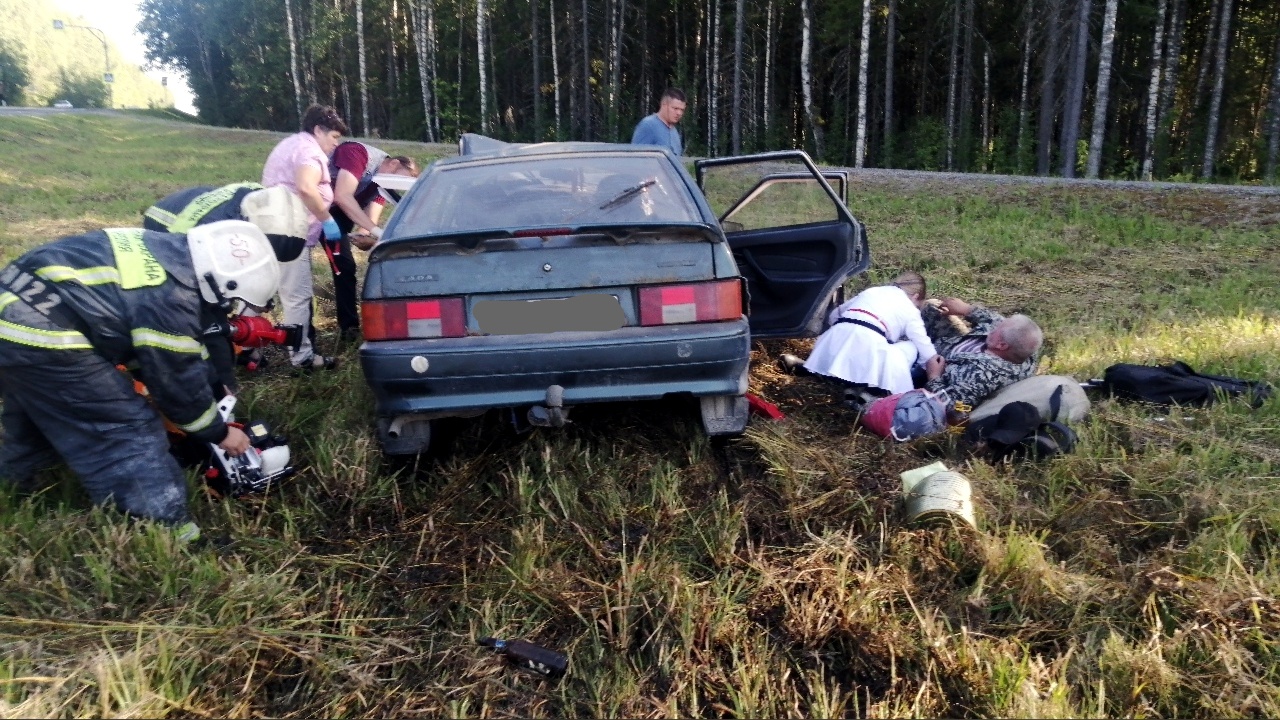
875,339
990,352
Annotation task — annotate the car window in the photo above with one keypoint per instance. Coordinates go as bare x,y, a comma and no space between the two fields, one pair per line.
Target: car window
560,191
768,194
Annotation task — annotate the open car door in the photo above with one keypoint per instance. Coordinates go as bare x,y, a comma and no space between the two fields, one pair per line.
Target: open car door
792,235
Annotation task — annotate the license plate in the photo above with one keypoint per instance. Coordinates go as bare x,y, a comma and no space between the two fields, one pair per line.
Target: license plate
594,312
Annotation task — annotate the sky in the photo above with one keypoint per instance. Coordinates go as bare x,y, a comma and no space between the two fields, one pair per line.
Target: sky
118,18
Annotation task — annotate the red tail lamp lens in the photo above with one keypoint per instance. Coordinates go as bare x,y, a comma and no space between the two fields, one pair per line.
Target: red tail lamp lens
404,319
703,302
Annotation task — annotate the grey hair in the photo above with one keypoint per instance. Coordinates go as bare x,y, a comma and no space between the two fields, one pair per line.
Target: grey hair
1023,335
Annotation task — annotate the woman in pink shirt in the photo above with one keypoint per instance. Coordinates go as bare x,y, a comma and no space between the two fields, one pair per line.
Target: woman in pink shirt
300,162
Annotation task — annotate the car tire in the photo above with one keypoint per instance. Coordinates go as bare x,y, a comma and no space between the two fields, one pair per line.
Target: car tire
404,435
724,415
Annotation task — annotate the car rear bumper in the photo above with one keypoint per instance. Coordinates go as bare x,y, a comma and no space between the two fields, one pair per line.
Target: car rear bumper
477,373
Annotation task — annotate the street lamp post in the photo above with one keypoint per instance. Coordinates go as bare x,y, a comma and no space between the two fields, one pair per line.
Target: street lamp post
107,77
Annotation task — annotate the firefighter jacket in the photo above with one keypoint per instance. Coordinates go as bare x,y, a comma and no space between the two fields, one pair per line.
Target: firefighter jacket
128,295
185,209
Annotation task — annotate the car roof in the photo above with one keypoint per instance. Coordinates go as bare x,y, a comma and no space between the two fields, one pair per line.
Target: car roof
472,145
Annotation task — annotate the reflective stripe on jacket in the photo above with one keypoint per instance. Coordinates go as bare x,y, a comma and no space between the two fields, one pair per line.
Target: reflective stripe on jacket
185,209
129,295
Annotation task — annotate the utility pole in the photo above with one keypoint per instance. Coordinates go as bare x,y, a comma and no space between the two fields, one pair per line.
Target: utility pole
107,77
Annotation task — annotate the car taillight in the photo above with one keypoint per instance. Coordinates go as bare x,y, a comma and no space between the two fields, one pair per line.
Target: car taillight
703,302
404,319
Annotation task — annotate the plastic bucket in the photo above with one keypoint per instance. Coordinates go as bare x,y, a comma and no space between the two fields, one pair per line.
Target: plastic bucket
943,494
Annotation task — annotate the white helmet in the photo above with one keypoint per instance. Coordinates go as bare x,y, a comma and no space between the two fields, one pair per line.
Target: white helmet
276,211
233,260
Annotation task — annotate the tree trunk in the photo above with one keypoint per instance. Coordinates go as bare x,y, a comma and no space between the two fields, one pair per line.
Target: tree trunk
739,27
768,67
1153,93
986,110
964,119
1273,133
481,62
1205,57
555,66
806,76
293,59
951,85
1215,102
364,77
713,82
1024,111
417,13
1103,91
1169,79
586,77
431,69
864,57
1048,90
891,40
1075,88
537,77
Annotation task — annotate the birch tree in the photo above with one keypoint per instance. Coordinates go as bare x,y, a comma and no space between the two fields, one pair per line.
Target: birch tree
293,59
537,62
1215,101
739,28
1024,107
1075,88
555,66
364,76
1153,92
481,55
768,65
986,108
1205,58
417,14
864,56
951,85
1273,132
806,76
891,38
1048,89
1103,92
1169,76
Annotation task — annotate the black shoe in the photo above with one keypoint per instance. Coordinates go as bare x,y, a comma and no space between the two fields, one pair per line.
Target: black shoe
317,362
791,364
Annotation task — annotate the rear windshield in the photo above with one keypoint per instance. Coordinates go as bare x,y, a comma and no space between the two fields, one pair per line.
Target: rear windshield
566,191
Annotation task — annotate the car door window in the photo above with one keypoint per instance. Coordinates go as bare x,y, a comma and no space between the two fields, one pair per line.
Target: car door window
792,236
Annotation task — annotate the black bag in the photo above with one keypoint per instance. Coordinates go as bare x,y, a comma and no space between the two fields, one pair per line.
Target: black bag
1018,432
1178,384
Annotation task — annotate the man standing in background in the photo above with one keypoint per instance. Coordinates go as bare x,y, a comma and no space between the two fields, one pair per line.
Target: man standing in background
660,128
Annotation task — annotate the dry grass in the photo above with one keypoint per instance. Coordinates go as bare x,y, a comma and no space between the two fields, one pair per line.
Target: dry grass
773,576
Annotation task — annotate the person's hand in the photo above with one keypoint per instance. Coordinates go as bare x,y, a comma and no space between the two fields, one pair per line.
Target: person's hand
934,366
955,306
331,230
363,241
236,443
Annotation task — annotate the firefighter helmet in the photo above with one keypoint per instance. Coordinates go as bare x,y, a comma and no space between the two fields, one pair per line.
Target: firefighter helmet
233,261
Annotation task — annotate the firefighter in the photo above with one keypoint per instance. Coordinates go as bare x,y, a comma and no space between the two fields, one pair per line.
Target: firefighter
74,309
277,212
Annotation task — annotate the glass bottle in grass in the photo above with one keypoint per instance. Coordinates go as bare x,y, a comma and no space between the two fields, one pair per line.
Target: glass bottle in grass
528,656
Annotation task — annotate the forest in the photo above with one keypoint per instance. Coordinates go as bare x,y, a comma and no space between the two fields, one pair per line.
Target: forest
1138,89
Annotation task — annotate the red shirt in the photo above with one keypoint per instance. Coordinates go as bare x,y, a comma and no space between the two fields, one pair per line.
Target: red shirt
352,157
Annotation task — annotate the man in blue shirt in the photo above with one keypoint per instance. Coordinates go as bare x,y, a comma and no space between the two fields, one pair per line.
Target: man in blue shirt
660,127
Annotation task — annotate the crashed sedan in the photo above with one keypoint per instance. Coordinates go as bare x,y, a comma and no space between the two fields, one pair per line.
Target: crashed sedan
539,277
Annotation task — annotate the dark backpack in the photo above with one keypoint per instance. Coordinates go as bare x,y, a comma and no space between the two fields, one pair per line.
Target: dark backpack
1178,384
1019,432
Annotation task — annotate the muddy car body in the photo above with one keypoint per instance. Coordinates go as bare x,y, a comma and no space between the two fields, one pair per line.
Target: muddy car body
539,277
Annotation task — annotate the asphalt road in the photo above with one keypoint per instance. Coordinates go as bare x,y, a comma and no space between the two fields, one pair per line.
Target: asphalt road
882,174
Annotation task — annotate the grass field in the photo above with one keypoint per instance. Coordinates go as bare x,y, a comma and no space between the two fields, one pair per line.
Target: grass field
774,576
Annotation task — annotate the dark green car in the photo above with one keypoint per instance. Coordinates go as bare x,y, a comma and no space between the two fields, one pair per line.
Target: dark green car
540,277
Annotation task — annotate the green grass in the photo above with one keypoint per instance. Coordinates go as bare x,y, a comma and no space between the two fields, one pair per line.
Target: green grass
775,576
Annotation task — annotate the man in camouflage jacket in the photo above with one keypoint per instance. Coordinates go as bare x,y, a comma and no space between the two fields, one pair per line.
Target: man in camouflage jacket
981,355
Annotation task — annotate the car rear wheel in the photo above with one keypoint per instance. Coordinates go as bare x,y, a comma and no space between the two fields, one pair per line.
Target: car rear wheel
404,435
724,415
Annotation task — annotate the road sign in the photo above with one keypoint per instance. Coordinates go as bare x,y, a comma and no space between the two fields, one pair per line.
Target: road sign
108,77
